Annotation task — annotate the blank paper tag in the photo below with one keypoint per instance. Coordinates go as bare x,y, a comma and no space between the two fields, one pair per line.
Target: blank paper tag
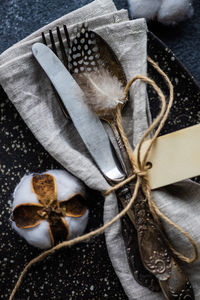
174,157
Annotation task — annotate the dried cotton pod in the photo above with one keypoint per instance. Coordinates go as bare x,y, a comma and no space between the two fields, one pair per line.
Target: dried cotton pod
49,208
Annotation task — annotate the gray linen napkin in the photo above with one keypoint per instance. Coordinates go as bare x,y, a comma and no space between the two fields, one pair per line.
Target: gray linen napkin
30,91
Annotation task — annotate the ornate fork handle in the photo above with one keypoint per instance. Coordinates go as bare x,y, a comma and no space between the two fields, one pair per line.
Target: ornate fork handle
130,236
155,255
153,250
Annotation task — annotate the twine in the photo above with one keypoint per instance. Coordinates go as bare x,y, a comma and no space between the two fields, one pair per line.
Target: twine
140,169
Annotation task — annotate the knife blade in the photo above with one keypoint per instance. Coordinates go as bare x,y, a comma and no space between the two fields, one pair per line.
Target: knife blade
91,130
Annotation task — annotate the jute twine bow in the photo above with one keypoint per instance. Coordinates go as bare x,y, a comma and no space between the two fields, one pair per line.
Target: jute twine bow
140,169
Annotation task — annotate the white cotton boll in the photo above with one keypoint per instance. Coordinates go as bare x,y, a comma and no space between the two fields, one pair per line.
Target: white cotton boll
77,225
67,185
173,11
144,8
38,236
22,190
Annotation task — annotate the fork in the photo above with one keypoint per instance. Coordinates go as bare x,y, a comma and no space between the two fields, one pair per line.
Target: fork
140,273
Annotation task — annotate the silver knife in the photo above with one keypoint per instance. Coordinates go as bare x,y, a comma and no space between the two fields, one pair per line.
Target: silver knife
92,132
99,148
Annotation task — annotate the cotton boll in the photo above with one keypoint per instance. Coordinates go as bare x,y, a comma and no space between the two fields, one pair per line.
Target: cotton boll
23,192
144,8
77,225
66,186
168,12
173,11
38,236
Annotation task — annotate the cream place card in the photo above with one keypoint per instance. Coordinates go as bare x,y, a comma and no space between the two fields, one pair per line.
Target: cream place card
174,157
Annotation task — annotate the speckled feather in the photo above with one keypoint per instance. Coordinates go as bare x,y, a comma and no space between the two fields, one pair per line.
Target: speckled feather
97,70
84,54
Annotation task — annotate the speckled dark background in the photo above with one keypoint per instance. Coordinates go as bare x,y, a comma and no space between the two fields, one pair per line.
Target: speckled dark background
83,272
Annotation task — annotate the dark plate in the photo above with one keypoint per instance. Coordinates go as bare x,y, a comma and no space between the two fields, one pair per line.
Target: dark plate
84,271
186,108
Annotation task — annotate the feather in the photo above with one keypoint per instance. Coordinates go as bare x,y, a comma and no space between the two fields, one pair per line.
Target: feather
97,70
103,92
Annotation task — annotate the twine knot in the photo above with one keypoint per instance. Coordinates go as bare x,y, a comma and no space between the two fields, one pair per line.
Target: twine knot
142,172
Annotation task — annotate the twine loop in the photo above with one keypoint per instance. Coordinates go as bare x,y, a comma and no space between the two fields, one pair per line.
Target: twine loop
140,175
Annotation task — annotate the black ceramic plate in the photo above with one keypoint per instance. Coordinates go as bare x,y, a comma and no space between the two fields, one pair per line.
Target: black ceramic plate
84,271
186,108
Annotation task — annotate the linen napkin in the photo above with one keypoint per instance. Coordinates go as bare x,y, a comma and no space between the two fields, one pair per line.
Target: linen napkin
30,91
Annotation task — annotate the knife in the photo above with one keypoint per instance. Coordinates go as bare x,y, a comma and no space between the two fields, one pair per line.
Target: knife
96,140
92,132
60,78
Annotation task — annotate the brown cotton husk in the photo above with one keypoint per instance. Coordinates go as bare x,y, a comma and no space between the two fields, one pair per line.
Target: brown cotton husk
74,207
27,215
44,186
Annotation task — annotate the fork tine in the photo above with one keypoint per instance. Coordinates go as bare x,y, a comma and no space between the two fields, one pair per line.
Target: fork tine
44,39
62,48
53,46
53,42
66,35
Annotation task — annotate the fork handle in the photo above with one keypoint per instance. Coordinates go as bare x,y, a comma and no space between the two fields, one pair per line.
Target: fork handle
151,241
130,236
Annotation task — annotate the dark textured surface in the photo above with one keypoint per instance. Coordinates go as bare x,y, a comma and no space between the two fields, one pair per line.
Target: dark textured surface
84,271
184,40
20,18
81,272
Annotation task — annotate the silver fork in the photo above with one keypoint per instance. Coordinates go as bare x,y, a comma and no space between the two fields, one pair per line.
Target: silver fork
177,285
141,275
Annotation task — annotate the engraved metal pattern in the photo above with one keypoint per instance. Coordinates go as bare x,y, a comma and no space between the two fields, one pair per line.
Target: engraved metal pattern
177,287
141,275
184,294
154,251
